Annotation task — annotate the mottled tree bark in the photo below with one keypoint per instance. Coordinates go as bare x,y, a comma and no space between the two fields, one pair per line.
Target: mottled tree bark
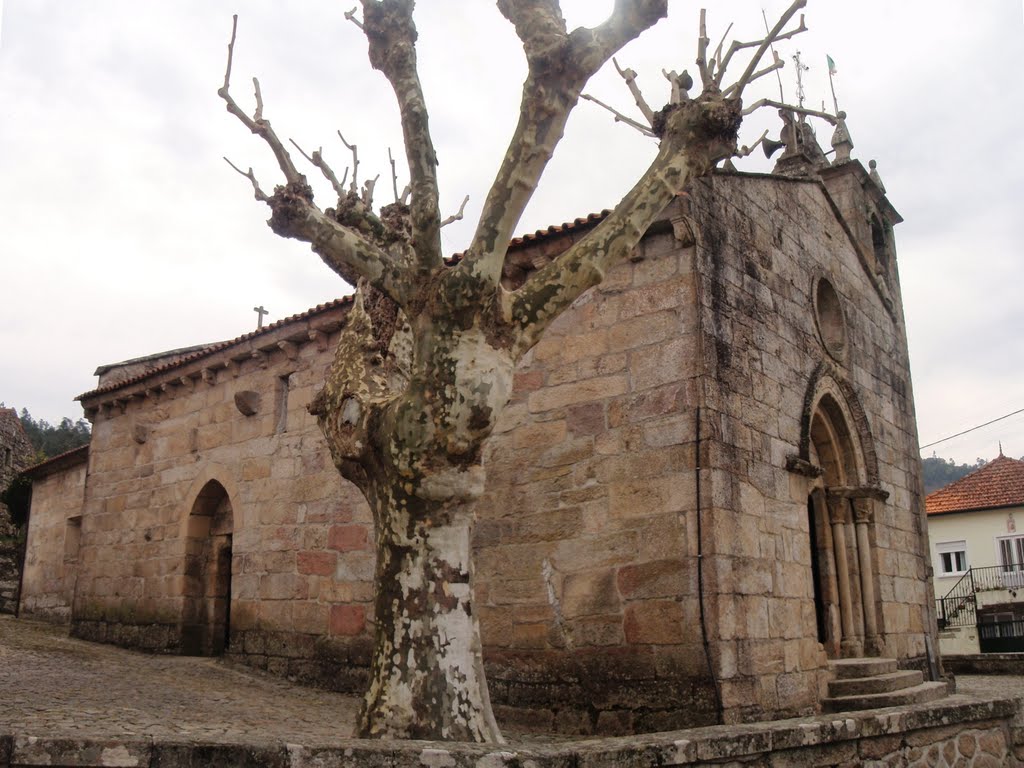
425,362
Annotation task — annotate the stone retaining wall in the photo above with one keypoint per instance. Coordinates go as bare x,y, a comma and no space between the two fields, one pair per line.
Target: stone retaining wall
10,559
985,664
957,732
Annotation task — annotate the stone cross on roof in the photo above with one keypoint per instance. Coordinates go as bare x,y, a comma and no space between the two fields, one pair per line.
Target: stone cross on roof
260,312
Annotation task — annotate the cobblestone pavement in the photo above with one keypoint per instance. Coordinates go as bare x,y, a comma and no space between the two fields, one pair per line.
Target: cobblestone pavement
53,686
58,687
991,685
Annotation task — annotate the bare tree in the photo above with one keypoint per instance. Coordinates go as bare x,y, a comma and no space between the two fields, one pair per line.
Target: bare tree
424,365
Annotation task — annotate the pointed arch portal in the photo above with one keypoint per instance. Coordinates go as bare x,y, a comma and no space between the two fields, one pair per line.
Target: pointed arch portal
206,619
840,516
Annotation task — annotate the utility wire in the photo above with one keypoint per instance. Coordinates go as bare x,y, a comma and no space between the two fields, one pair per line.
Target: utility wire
972,429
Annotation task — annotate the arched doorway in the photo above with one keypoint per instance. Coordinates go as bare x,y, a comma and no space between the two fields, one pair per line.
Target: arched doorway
840,521
206,619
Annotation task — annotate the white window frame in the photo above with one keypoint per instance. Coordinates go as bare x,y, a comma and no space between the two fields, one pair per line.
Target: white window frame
951,548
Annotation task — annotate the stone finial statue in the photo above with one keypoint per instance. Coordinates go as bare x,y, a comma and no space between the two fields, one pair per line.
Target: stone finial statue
873,175
841,141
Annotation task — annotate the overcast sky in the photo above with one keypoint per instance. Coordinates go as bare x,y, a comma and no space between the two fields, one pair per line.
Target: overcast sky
123,232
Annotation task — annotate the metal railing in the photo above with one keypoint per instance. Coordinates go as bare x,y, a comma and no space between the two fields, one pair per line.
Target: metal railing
959,607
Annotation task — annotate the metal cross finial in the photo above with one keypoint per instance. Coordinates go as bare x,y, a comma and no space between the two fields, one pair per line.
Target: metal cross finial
800,69
260,312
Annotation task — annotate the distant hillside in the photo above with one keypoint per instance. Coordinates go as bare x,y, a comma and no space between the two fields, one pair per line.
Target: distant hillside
940,472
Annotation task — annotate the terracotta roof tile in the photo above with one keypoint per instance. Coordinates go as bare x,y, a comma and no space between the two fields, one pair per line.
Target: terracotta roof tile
540,234
1000,483
176,362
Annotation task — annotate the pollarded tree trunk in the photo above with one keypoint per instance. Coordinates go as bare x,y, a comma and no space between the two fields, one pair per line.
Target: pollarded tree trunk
425,361
408,433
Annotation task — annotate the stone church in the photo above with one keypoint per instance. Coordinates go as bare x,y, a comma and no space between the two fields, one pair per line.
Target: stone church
704,493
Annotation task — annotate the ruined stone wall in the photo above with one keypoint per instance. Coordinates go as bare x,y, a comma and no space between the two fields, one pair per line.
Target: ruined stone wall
586,545
763,244
301,557
15,456
52,549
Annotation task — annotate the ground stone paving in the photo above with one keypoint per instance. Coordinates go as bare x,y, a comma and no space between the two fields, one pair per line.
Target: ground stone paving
56,687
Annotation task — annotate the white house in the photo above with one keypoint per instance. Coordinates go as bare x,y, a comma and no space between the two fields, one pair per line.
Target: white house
978,556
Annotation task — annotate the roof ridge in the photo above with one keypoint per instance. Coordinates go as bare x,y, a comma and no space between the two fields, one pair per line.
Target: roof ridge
999,483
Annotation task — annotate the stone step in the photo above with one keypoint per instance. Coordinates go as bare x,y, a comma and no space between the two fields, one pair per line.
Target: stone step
891,681
919,694
843,669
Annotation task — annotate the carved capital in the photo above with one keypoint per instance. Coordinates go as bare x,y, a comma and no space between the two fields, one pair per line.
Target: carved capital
838,510
863,510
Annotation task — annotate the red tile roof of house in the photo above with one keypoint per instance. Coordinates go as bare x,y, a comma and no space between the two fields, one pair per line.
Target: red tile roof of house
1000,483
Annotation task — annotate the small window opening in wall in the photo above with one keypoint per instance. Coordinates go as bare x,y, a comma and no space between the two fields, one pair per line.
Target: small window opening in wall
8,457
72,538
952,557
281,404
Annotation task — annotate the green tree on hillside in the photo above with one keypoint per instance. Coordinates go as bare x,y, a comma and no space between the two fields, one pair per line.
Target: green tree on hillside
49,440
940,472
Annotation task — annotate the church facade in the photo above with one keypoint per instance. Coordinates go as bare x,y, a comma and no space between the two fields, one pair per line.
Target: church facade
706,486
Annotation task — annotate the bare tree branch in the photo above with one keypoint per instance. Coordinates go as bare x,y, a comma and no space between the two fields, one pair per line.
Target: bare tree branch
629,76
781,105
354,186
776,65
394,174
702,51
560,64
368,186
391,34
260,194
717,60
548,292
745,150
619,117
258,125
343,249
351,16
456,216
317,160
773,35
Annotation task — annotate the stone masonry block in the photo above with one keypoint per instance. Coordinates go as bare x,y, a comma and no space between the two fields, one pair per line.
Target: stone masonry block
588,593
348,620
346,538
655,622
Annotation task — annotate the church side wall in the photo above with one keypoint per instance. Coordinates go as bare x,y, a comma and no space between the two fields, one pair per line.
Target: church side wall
585,549
51,555
763,242
302,562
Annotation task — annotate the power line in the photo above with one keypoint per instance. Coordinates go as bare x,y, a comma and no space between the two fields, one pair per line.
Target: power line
972,429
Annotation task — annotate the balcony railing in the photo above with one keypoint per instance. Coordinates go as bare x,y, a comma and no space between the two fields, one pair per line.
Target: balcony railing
959,607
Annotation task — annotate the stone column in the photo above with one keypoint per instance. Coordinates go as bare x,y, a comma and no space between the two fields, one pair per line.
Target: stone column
863,515
850,646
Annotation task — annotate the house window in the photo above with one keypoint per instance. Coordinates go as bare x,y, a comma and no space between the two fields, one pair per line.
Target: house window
952,557
1011,553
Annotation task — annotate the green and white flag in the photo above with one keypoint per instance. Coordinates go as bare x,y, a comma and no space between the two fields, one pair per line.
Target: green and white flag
831,65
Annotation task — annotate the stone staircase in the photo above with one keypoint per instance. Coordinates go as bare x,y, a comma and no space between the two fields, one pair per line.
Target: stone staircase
873,683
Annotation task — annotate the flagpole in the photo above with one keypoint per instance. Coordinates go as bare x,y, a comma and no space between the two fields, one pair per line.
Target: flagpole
832,85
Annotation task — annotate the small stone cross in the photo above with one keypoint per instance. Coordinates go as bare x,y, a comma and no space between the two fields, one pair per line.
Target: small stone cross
260,312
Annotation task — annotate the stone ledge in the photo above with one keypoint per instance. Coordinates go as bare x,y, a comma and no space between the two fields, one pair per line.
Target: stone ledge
984,663
676,748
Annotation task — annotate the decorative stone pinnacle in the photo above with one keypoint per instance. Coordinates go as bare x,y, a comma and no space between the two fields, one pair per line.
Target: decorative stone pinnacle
841,141
873,175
